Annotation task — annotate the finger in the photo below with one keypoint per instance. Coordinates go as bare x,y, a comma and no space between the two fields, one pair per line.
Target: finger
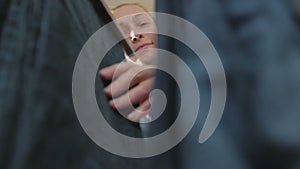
140,111
134,95
128,79
114,70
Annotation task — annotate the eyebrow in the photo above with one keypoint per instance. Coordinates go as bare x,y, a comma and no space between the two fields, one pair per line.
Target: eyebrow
123,25
139,15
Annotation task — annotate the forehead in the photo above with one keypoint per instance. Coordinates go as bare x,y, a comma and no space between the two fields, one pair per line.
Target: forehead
127,10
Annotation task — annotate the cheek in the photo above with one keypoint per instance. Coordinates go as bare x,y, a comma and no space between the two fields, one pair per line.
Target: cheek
151,37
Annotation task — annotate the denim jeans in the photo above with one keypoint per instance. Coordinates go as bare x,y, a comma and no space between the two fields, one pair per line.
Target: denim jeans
40,41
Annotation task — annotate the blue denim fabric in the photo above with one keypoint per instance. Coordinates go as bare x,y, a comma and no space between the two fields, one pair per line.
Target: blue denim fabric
258,43
40,41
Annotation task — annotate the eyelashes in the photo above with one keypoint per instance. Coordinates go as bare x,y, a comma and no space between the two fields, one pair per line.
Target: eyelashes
143,24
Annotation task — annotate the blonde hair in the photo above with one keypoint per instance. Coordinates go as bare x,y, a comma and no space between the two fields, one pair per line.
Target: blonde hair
125,4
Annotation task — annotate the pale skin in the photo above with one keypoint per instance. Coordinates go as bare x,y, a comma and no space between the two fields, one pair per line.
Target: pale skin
133,25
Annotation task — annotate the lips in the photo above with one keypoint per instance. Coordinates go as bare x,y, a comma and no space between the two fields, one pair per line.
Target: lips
143,46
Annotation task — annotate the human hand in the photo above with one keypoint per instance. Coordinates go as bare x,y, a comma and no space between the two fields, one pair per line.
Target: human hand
131,83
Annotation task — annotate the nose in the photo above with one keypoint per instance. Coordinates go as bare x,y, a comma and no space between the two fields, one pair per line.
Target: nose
136,38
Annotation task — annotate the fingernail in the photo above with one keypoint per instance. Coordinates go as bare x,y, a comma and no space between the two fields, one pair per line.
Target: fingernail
111,104
148,117
130,116
103,71
106,90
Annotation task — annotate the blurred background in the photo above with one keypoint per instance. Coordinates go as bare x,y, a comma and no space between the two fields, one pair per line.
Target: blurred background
258,42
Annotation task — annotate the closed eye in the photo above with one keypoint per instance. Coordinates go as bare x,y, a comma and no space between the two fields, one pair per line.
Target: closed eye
144,23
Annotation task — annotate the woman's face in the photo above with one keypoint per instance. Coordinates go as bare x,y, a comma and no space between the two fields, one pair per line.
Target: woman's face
135,24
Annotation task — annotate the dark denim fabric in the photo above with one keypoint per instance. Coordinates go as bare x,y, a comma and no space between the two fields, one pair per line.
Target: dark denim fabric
258,43
40,41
